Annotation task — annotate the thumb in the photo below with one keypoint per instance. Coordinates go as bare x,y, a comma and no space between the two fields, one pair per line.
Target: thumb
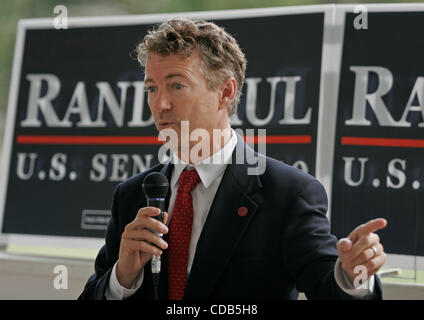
344,244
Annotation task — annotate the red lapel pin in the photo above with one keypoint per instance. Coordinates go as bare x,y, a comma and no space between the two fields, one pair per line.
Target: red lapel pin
242,211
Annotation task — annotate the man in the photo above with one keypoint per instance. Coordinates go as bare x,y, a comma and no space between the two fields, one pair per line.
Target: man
227,234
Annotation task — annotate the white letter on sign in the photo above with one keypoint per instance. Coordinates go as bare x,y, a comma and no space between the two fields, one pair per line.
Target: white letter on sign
361,97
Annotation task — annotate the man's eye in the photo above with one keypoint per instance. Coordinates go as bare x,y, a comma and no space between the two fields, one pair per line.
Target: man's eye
150,89
178,86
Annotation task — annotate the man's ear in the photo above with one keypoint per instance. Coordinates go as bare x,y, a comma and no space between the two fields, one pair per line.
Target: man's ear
228,92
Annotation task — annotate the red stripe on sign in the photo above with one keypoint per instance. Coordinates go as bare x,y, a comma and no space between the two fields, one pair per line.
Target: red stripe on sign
89,140
93,140
278,139
382,142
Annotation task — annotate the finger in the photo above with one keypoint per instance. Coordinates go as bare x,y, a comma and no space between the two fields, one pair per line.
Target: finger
367,255
147,222
148,211
363,244
375,271
153,212
142,213
343,246
375,264
145,235
134,246
366,228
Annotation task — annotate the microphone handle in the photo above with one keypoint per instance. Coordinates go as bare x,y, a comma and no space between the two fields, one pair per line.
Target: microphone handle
158,203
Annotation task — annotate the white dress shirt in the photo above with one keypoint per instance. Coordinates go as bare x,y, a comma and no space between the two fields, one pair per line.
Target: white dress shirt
211,171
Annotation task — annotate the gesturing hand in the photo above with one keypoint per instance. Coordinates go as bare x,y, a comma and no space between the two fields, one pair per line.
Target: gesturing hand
362,247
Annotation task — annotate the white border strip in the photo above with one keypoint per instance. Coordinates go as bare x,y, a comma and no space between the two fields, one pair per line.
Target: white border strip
327,118
382,7
55,241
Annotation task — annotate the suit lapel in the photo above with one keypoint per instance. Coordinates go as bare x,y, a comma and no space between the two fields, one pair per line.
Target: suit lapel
224,227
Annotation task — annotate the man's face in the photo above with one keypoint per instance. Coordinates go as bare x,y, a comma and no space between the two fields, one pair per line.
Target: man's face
178,91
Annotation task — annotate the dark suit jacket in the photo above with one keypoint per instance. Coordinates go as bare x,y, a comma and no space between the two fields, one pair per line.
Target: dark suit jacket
283,245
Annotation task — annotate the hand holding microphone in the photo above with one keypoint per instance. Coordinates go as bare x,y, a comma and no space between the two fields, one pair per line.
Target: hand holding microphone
141,238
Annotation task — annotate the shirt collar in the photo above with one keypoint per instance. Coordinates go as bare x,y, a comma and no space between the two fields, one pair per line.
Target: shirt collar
209,169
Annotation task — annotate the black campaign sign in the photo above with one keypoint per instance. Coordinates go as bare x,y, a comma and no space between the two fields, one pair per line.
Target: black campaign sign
83,125
379,149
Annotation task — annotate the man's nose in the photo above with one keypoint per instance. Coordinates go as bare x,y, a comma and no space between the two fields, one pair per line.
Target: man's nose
162,102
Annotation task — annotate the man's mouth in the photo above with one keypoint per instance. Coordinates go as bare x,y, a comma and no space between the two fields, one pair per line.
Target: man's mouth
165,124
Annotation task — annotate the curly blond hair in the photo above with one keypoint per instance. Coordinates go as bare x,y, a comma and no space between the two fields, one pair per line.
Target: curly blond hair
220,53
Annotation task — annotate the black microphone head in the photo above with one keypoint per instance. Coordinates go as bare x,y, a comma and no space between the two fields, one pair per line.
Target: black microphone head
155,185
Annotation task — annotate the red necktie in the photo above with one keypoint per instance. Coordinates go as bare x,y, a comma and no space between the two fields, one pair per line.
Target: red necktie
180,233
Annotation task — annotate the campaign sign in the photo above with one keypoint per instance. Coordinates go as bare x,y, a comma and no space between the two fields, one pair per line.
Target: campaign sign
81,124
379,146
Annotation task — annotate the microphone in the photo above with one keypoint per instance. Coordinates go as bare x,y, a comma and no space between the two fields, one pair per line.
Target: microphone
155,187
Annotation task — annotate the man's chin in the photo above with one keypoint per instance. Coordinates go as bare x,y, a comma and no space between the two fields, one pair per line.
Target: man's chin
169,135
